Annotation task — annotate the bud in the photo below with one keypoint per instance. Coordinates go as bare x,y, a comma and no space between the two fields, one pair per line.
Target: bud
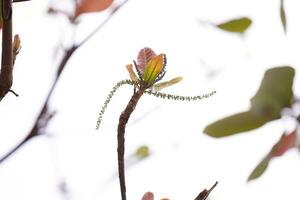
16,44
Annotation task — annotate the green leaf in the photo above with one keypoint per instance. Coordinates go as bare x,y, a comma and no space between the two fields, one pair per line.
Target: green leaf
260,168
285,143
237,123
274,93
283,16
142,152
239,25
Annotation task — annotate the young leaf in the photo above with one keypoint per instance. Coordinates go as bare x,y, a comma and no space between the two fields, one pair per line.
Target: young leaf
285,143
159,86
132,75
237,123
144,56
239,25
86,6
283,16
153,68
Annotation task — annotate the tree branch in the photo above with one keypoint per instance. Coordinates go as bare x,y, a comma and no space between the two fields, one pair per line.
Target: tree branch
43,118
6,76
121,138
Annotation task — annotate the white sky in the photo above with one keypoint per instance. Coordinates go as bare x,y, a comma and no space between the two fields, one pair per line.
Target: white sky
183,160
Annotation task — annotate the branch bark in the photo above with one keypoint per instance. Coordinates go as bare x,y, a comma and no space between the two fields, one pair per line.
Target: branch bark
6,76
121,138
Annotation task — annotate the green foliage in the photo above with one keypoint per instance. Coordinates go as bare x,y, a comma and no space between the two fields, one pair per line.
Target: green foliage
285,143
239,25
260,168
142,152
237,123
282,15
274,94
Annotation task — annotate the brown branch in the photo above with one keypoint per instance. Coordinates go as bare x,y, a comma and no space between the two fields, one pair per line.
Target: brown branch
43,118
6,76
121,138
205,193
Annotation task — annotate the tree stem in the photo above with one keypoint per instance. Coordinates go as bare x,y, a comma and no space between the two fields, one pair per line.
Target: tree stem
121,138
6,77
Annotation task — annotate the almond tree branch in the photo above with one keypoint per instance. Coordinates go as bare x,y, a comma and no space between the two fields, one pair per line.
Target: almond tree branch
43,117
121,138
205,193
6,76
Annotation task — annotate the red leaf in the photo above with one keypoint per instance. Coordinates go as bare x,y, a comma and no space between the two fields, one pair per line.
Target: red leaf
148,196
86,6
144,56
286,142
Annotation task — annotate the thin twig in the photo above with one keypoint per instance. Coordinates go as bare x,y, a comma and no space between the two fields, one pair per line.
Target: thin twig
205,193
121,137
104,22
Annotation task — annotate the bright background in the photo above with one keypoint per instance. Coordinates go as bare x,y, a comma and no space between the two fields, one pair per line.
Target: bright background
183,161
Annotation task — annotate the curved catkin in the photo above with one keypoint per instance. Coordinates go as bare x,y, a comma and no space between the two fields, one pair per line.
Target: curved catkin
109,97
178,97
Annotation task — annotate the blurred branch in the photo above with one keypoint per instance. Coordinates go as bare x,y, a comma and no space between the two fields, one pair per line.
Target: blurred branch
104,22
43,117
6,77
205,193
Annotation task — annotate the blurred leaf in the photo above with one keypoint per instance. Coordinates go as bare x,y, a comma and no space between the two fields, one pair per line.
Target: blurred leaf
286,142
275,92
239,25
237,123
86,6
148,196
260,168
131,73
159,86
142,152
282,15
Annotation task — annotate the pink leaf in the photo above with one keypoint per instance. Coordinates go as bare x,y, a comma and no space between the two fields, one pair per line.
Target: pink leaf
148,196
144,56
